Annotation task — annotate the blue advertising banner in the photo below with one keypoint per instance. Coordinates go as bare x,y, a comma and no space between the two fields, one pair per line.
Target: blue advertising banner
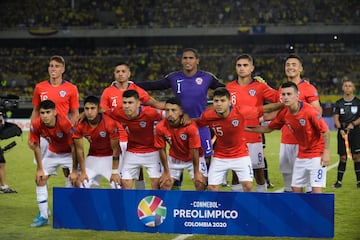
195,212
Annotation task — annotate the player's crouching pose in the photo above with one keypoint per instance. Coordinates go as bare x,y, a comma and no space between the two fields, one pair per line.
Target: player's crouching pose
138,121
231,152
185,148
103,158
57,130
313,136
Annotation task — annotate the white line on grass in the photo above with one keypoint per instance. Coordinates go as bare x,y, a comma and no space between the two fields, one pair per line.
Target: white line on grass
182,236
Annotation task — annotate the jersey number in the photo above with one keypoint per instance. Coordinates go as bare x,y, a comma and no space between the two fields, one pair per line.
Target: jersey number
218,131
178,88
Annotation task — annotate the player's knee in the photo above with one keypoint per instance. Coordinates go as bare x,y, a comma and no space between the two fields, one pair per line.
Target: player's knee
247,186
213,187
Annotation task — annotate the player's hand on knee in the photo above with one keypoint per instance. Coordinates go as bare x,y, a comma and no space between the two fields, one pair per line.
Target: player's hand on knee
165,181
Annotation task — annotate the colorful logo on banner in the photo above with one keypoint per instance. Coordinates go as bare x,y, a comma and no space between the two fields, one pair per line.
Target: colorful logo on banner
151,211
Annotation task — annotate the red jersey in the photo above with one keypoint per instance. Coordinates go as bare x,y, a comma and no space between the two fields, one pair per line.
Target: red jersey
230,131
59,137
112,98
181,140
308,94
254,94
65,96
99,137
307,126
140,130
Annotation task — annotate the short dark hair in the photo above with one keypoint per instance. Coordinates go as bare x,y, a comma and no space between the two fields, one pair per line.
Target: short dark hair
293,55
47,104
290,85
58,59
245,56
221,91
131,93
92,99
122,64
196,53
174,100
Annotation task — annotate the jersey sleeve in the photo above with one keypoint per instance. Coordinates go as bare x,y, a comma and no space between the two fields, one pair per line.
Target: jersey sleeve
318,122
215,83
311,93
201,121
69,130
278,121
104,103
194,138
270,94
77,131
159,141
36,97
143,95
34,135
161,84
113,129
74,99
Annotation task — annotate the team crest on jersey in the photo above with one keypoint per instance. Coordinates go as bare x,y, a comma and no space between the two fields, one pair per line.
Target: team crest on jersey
62,93
302,122
142,124
235,123
354,109
102,134
342,111
252,92
199,81
183,136
60,134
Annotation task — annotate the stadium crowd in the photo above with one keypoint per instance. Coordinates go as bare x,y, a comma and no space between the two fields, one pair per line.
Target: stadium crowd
91,69
128,14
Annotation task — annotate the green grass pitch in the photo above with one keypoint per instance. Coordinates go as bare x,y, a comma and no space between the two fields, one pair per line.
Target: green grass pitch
18,210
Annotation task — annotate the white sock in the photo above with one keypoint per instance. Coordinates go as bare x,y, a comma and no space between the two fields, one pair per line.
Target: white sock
308,189
287,182
42,199
114,185
237,188
67,182
261,188
4,186
140,184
